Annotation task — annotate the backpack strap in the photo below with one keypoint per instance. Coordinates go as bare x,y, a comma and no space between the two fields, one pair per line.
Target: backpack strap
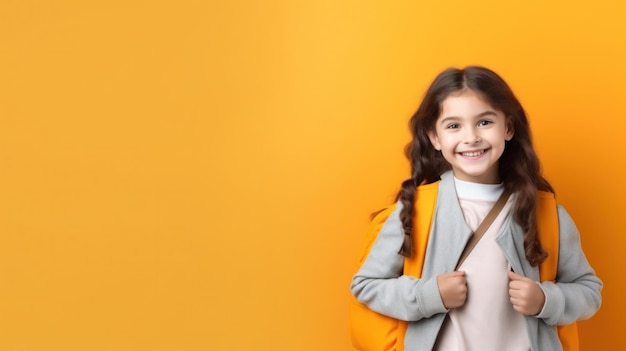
425,203
548,232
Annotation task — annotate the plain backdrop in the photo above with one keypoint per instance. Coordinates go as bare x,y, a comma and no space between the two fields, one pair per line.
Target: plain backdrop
198,175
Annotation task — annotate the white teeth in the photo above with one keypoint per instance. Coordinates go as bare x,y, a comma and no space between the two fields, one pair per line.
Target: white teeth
473,154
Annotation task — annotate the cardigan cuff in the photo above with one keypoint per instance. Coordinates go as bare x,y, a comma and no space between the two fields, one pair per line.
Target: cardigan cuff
554,305
429,298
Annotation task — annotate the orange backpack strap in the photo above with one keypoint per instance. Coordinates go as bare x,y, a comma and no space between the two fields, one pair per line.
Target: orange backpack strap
424,210
371,331
548,231
426,200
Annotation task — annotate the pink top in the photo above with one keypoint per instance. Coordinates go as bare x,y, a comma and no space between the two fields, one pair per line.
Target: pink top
487,321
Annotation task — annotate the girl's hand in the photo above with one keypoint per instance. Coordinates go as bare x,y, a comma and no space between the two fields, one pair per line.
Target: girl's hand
525,295
452,288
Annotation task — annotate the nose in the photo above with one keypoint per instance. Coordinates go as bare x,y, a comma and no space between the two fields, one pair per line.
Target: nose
471,136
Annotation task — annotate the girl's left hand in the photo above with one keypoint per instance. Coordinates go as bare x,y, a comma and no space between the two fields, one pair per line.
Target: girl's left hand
525,295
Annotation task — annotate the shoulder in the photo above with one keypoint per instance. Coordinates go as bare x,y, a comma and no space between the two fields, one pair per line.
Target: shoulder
547,205
553,217
566,222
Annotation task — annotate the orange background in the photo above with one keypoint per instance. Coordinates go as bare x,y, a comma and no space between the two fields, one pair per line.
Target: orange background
192,175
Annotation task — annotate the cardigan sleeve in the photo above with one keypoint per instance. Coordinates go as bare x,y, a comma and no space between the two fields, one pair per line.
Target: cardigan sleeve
380,283
576,294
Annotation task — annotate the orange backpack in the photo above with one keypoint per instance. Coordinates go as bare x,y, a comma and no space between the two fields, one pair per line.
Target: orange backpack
371,331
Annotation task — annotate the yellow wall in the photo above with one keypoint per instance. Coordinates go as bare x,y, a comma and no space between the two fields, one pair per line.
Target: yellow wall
192,175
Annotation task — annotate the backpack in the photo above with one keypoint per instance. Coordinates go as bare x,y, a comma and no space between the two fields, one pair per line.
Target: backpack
371,331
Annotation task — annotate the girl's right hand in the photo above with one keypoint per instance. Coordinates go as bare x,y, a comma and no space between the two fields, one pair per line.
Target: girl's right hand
452,288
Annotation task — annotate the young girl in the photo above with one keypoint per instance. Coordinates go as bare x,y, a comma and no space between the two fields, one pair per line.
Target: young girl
471,133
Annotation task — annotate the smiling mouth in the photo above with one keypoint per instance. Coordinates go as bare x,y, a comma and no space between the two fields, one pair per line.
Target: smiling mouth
473,153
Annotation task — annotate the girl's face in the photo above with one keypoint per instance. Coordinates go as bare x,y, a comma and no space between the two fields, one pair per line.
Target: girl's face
471,136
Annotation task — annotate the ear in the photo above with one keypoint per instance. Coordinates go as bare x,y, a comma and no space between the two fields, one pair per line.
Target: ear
510,130
434,140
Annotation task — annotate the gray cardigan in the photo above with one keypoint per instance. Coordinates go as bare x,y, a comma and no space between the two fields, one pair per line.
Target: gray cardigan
380,285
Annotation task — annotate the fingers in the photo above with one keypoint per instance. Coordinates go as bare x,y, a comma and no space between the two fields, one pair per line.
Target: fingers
518,285
515,276
452,288
525,295
530,305
518,281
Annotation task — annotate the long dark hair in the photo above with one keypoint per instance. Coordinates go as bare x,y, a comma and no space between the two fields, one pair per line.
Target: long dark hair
518,166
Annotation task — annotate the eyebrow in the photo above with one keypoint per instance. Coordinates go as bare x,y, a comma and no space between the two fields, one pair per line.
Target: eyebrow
480,115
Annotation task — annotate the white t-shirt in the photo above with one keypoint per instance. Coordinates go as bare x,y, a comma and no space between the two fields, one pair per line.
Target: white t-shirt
487,321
